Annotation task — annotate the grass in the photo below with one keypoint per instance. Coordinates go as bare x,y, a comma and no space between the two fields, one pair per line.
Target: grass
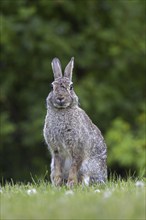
124,200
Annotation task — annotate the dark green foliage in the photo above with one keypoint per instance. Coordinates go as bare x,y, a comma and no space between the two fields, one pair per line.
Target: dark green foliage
107,39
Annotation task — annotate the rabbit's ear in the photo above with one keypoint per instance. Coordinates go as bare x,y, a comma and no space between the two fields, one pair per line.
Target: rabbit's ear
69,69
56,66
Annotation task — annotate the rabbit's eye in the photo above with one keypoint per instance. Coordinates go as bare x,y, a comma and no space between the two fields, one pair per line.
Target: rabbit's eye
71,87
51,86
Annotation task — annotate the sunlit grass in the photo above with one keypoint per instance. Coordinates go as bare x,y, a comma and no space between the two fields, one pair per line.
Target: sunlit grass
116,200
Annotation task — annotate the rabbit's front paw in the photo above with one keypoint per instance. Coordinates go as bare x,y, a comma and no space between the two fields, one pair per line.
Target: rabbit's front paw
57,180
71,182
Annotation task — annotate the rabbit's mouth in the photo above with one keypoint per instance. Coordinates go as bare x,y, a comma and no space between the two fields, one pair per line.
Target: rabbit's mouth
61,104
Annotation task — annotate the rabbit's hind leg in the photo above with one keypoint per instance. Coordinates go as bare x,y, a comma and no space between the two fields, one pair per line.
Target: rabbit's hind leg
98,171
93,171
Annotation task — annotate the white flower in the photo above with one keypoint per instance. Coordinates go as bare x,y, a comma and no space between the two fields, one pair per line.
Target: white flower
97,191
69,192
107,194
139,184
31,191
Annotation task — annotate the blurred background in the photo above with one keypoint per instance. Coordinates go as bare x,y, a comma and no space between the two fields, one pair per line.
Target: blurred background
107,39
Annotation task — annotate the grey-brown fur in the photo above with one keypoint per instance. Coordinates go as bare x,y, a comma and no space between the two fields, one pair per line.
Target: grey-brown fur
77,147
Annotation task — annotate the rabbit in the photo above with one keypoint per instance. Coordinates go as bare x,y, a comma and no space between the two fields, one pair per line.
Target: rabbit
77,146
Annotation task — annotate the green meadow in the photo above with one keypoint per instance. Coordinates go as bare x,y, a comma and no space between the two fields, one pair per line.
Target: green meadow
115,200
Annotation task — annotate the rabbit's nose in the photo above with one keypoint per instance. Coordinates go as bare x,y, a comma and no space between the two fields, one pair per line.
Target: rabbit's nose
60,99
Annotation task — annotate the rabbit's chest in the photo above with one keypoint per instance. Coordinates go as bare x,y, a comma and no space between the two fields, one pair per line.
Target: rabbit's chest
62,131
60,135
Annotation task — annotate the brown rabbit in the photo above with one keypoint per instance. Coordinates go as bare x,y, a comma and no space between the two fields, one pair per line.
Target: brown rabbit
77,147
